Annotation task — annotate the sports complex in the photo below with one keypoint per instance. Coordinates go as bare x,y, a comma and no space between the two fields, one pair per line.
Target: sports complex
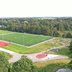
35,47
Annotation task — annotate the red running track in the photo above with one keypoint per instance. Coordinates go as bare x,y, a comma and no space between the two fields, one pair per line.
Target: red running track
3,43
40,56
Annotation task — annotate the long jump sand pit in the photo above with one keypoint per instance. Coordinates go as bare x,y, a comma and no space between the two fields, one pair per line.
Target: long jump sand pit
3,43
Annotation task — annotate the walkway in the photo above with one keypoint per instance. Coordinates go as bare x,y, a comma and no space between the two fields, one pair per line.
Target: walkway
48,57
17,56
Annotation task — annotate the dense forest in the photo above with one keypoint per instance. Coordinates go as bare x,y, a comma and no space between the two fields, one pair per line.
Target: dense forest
45,26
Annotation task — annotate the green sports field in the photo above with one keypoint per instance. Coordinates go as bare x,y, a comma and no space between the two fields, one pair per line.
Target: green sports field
24,38
21,42
35,49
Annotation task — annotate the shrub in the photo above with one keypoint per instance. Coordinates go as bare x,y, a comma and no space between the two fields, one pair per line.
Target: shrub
4,65
67,35
23,65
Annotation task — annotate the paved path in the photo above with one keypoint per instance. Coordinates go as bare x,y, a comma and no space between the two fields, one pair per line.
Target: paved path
17,56
48,57
14,43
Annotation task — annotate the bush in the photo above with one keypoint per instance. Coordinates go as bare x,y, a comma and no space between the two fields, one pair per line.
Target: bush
70,48
23,65
67,35
70,64
4,65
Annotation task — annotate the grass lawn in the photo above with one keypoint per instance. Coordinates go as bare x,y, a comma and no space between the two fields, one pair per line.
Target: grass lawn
35,49
24,39
45,63
23,50
52,68
50,44
30,39
52,65
62,51
4,32
17,48
5,54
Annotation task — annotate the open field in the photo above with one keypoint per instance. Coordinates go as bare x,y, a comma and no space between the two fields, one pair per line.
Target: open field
24,39
27,40
63,51
23,50
41,47
35,44
52,65
16,48
43,43
45,63
54,43
4,32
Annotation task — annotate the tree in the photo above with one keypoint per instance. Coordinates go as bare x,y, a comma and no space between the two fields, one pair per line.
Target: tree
23,65
67,35
55,33
38,25
70,64
4,65
70,47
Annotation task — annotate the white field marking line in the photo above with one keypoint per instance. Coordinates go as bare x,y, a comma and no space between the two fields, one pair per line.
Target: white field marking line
28,46
41,42
19,44
24,45
14,43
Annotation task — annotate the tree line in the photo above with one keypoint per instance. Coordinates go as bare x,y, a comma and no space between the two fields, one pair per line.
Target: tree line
45,26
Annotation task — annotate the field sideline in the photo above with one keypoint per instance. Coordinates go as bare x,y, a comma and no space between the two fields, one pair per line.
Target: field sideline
23,38
25,43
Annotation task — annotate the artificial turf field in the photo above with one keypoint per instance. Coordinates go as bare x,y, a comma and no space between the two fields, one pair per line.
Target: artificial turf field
23,38
21,42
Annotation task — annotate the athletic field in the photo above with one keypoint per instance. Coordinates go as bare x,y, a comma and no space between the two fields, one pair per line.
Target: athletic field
22,38
28,43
